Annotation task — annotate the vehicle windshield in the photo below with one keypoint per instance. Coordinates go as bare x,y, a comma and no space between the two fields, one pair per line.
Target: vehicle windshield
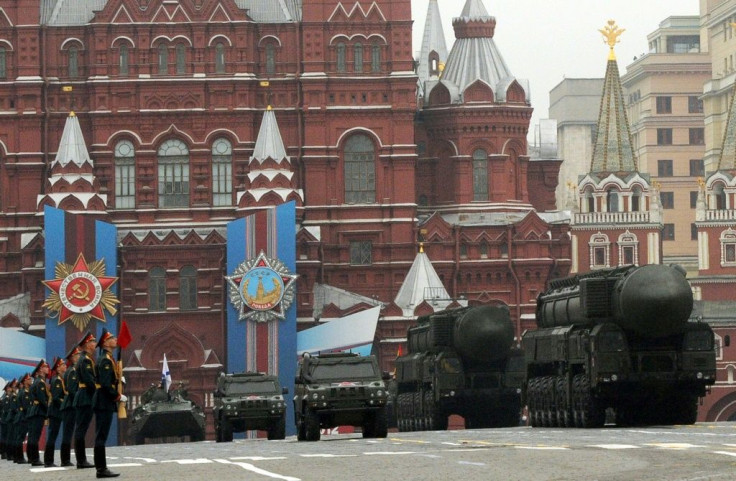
611,341
698,341
258,387
342,371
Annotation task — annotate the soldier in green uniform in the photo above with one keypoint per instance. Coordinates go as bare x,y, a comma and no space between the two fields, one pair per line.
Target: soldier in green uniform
21,417
4,414
68,412
83,399
10,421
38,411
106,400
58,394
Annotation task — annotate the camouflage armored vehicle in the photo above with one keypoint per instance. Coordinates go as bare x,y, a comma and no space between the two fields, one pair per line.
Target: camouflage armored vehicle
249,401
164,414
340,389
618,340
460,361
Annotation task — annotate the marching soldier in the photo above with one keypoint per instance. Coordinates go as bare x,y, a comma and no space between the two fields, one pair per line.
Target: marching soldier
4,414
68,412
38,411
58,395
10,413
106,400
83,399
23,404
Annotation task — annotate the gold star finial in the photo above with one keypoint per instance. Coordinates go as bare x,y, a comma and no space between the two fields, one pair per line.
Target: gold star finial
612,32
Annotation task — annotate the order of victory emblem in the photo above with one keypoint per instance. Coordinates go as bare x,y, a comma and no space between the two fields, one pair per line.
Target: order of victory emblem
81,292
262,289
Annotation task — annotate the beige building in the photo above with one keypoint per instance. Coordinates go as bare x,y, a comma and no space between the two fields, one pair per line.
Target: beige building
717,38
575,104
663,93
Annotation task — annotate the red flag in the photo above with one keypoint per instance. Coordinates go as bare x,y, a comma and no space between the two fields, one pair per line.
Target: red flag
399,352
124,336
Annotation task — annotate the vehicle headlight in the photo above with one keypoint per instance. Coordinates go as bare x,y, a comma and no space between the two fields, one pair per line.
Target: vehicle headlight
614,377
379,393
699,375
315,395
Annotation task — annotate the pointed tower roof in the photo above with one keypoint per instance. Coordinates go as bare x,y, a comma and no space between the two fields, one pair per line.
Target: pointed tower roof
474,9
269,144
727,159
432,41
72,149
420,284
613,151
474,55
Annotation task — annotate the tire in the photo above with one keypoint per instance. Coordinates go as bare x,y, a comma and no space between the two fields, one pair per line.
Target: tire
301,433
380,423
311,426
593,415
140,440
226,432
278,429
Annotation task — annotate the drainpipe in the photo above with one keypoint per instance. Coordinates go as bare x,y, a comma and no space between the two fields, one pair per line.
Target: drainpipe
517,283
456,270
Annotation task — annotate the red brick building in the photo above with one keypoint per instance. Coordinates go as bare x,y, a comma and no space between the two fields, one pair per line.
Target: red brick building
193,113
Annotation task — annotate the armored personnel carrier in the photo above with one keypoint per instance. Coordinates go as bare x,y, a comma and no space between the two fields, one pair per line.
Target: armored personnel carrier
164,414
460,361
249,401
618,340
340,389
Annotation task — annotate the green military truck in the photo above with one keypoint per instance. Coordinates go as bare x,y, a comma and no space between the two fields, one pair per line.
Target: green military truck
249,401
340,389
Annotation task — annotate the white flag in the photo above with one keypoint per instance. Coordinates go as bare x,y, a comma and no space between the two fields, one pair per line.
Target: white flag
165,376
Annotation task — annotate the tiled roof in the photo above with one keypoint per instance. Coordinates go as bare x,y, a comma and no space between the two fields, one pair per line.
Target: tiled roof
81,12
727,159
476,58
613,151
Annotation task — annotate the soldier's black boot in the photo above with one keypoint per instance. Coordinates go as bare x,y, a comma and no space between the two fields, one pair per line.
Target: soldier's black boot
19,457
2,450
34,456
48,457
101,464
65,455
81,456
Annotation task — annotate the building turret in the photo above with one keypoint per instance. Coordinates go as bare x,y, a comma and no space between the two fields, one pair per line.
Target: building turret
618,221
72,184
271,179
433,55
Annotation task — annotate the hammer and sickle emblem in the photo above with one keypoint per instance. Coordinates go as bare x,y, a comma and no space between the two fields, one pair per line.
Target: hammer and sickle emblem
81,295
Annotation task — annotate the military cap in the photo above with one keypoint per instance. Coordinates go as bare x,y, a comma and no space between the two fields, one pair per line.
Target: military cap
88,336
40,364
58,361
9,384
104,337
74,350
23,378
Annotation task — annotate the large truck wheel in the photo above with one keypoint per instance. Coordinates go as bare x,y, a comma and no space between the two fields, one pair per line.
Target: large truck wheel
311,426
593,415
278,429
380,423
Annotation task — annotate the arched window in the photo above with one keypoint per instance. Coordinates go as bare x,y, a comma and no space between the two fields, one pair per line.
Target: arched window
3,63
360,170
376,58
123,59
270,59
124,175
612,200
222,168
358,57
341,62
480,175
720,196
163,59
589,200
220,58
157,289
636,200
173,174
434,63
484,250
73,62
181,58
188,288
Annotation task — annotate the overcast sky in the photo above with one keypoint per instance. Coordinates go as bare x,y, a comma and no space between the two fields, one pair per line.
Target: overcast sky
547,40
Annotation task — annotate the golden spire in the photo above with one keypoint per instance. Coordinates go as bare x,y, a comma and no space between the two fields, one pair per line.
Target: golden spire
421,247
612,32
